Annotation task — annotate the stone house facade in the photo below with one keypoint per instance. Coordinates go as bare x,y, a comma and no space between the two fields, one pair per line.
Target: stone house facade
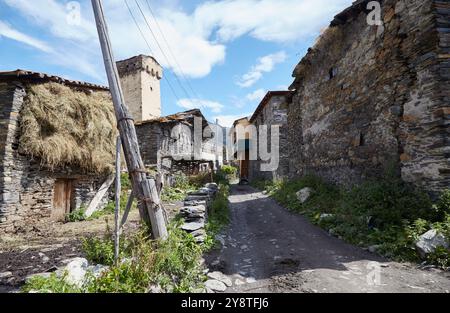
29,192
272,111
367,96
168,144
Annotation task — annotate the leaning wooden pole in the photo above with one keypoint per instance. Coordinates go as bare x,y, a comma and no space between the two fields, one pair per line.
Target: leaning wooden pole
144,189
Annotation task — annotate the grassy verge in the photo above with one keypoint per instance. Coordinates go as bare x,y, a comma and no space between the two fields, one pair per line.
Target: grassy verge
171,264
386,214
218,218
180,188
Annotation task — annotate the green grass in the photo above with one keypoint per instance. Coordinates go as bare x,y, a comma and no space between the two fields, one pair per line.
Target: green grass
52,284
218,218
386,212
171,264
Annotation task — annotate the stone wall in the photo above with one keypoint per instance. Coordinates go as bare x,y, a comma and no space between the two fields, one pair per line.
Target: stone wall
274,113
371,96
26,188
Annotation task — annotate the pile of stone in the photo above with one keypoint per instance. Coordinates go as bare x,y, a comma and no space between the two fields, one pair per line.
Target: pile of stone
74,273
195,211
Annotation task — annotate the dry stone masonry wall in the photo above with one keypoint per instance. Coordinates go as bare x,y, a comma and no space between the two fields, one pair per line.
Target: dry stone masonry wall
370,96
27,189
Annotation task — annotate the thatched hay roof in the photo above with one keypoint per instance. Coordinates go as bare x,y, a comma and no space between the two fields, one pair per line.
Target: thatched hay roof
63,126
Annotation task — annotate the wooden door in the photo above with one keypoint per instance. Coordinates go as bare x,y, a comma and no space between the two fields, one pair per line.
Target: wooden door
62,199
244,167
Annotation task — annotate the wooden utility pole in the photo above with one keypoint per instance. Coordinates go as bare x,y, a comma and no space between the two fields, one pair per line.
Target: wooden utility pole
144,189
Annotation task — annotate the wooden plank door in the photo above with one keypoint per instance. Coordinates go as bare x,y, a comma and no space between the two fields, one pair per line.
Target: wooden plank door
62,199
244,168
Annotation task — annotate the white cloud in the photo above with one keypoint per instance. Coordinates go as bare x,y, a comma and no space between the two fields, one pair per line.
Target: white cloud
228,120
257,95
267,20
189,104
11,33
265,64
197,39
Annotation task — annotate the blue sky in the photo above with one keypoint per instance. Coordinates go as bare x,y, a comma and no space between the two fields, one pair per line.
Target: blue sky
229,51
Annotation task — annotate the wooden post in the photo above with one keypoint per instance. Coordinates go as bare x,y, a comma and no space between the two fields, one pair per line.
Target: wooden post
144,189
127,210
117,208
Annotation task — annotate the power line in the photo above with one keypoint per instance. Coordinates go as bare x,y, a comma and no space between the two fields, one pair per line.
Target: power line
170,50
162,50
149,47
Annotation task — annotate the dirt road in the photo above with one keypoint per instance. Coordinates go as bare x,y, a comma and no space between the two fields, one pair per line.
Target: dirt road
268,249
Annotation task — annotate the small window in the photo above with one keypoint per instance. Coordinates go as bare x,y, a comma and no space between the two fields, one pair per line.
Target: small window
332,72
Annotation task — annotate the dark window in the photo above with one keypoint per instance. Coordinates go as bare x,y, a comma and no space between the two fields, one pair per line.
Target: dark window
332,72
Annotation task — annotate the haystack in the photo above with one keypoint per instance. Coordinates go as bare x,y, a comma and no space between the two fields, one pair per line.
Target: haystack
66,127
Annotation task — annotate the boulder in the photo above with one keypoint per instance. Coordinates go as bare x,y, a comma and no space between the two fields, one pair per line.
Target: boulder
215,285
429,241
304,194
221,277
76,271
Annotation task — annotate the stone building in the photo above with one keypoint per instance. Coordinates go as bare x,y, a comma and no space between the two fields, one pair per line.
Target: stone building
271,112
49,166
167,143
58,137
367,96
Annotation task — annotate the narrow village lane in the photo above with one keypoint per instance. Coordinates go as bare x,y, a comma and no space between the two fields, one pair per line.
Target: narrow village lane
269,249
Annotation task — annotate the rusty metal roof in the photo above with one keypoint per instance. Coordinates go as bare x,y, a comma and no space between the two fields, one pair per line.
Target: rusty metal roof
30,76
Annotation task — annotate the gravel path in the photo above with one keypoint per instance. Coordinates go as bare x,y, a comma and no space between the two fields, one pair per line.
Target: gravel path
268,249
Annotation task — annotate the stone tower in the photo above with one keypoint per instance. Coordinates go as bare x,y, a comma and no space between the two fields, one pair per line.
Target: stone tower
140,79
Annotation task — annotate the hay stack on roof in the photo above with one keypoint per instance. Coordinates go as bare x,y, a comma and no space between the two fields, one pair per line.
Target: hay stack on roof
67,127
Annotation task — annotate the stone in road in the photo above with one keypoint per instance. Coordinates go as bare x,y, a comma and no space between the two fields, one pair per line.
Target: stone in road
269,249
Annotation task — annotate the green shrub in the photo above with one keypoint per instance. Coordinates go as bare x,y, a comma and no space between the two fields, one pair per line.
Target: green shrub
52,284
99,250
76,215
199,180
386,212
171,264
170,194
229,170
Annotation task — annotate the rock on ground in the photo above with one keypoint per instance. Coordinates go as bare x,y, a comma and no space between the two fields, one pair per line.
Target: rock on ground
221,277
429,241
215,285
304,194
